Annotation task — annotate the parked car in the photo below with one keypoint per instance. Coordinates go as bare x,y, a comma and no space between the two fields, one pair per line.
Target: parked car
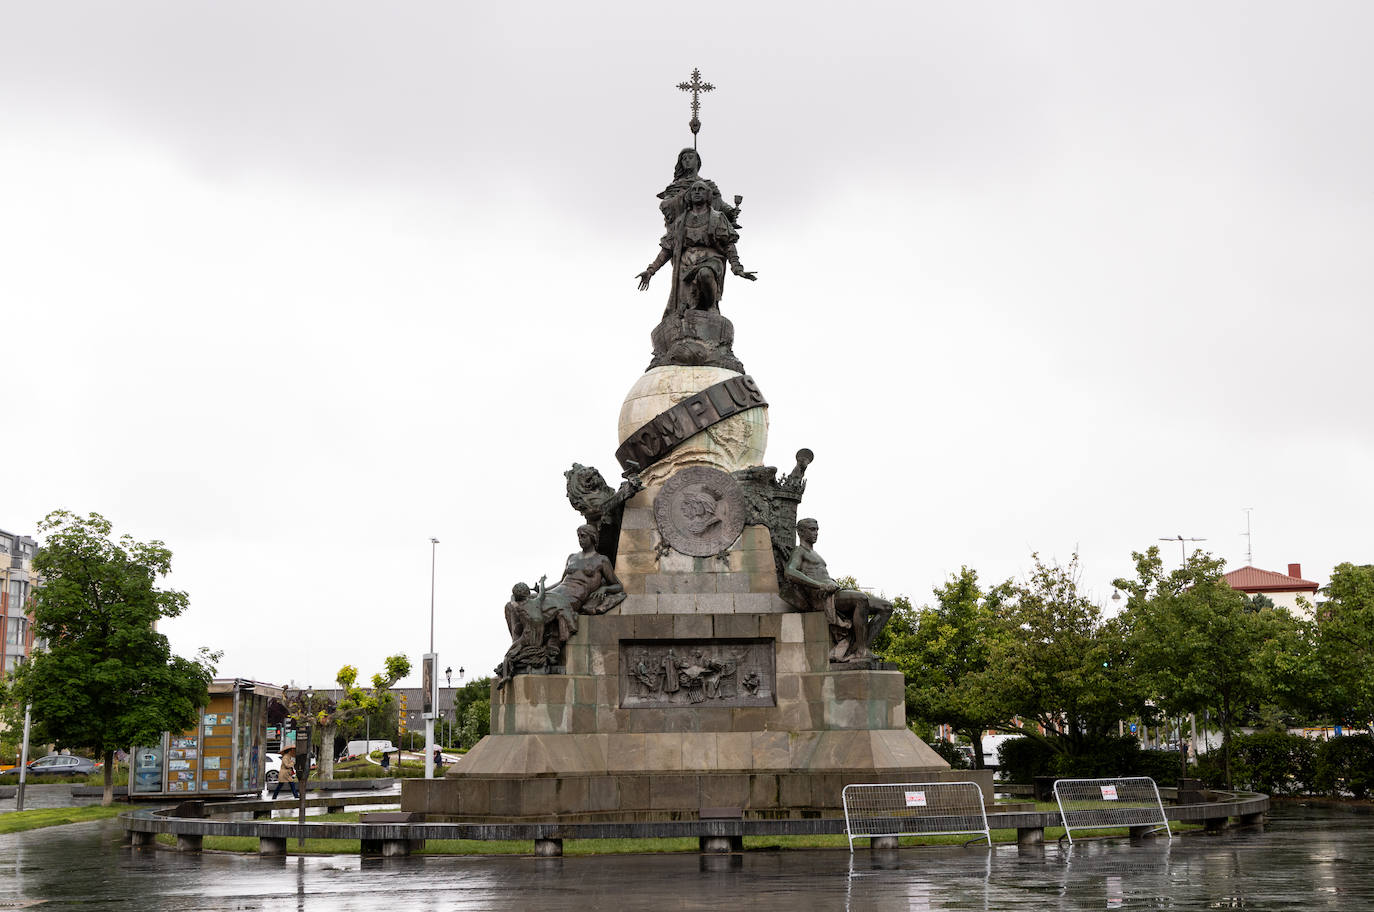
272,766
60,765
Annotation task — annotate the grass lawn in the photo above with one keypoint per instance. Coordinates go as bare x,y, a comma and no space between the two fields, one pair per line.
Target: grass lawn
19,821
362,769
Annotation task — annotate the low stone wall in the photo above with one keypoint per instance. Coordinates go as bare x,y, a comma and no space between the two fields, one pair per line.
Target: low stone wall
717,833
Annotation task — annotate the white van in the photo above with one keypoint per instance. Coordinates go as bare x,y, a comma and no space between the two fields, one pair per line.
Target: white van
362,748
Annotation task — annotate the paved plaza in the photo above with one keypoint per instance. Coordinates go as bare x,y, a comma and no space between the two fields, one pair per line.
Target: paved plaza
1307,858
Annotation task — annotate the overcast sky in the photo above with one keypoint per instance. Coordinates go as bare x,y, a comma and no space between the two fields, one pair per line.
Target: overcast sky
295,287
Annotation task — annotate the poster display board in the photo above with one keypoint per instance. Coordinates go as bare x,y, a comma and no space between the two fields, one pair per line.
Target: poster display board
183,762
147,766
428,678
224,753
217,740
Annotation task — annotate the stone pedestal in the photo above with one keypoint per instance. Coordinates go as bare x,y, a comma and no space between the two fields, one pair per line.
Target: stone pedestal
703,690
590,746
596,744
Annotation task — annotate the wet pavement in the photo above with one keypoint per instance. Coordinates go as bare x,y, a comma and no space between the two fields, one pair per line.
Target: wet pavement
1307,858
47,795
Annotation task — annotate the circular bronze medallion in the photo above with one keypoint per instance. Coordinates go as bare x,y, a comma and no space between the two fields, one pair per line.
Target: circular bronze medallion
700,511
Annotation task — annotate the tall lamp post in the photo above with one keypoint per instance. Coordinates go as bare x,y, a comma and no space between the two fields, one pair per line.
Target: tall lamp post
448,735
431,661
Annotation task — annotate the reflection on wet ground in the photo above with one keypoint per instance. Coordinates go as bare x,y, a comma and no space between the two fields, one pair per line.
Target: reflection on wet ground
46,795
1307,858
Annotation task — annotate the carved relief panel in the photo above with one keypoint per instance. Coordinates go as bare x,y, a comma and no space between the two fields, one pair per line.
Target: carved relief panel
656,674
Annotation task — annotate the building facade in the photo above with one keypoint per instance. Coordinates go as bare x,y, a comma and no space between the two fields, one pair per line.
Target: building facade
1283,589
17,582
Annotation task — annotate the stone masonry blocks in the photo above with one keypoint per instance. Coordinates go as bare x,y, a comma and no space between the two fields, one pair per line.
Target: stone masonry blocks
636,518
692,627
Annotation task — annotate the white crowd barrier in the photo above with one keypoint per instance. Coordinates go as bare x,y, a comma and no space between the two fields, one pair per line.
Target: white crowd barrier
914,809
1094,804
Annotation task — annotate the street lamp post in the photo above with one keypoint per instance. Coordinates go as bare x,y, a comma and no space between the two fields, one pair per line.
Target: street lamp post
448,676
24,759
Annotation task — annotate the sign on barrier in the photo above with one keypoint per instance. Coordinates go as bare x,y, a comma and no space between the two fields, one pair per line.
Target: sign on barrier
914,809
1094,804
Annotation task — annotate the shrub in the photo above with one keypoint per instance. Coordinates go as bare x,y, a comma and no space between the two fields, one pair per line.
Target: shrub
1022,759
950,753
1160,765
1103,758
1208,768
1274,762
1345,764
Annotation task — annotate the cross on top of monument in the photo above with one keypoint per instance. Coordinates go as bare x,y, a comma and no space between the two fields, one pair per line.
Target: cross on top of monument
696,87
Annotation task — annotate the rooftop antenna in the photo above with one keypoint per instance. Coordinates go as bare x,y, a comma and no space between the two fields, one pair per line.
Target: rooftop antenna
1249,554
696,87
1182,548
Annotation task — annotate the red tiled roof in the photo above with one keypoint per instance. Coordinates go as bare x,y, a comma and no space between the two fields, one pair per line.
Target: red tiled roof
1253,579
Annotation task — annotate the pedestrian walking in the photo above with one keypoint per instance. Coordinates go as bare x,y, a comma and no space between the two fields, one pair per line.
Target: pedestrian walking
287,775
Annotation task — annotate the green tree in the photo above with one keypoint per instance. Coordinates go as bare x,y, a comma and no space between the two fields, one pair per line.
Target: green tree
326,714
1058,662
1197,644
106,679
1344,644
945,654
476,721
474,691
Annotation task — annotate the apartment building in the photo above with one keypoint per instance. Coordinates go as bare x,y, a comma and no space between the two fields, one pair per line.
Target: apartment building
16,596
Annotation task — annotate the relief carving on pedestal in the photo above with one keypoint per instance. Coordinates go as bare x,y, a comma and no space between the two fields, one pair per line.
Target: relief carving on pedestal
700,511
706,673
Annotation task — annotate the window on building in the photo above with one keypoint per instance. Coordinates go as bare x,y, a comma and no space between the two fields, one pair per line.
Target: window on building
15,629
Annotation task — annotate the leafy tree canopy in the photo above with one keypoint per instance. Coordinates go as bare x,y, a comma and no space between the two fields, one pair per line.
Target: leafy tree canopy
1343,645
1059,663
944,653
326,714
106,679
1196,643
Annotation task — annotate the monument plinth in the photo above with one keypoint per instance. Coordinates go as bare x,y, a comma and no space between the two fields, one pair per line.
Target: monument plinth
696,652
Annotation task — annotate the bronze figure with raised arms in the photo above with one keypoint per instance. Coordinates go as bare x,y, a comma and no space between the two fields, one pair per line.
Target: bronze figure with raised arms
699,242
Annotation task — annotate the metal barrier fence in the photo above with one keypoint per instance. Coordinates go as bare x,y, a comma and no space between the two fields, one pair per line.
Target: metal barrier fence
1094,804
914,809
